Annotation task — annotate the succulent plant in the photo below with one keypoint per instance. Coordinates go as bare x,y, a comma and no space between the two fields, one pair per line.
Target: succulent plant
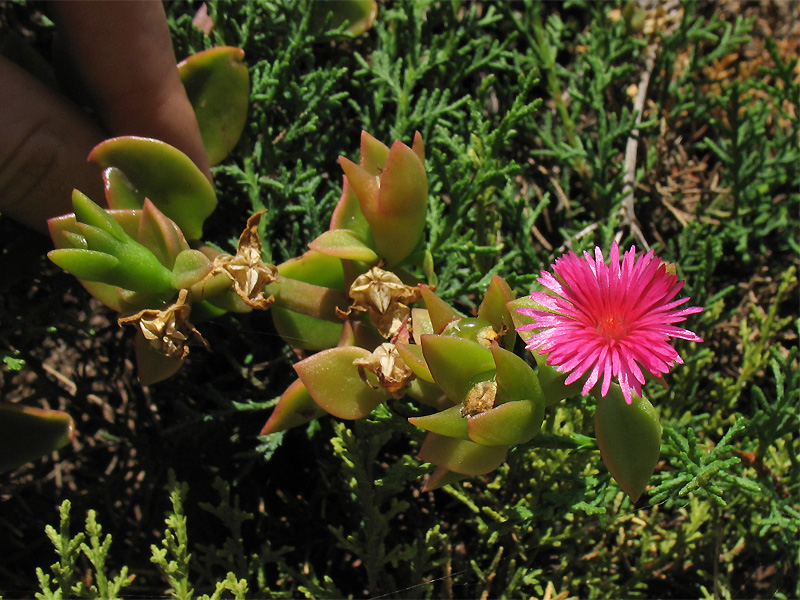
362,299
143,256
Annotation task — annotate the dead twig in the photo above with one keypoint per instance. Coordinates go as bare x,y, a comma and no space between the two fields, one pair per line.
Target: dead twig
631,149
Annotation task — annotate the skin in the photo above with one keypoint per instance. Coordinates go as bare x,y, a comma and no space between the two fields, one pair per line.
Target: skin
122,53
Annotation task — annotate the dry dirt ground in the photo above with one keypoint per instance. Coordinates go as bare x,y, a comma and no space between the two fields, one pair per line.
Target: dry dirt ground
79,360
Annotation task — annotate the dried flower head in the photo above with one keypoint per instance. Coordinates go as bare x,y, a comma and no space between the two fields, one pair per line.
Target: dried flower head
385,297
609,320
168,330
387,364
246,270
479,399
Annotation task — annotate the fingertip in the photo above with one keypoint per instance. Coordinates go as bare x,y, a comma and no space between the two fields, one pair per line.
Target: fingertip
124,52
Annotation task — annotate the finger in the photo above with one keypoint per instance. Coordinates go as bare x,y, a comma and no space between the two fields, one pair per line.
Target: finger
45,141
124,53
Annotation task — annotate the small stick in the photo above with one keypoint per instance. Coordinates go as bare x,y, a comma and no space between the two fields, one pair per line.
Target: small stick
629,178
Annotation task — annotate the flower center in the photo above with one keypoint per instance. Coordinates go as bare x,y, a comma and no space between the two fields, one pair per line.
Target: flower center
612,327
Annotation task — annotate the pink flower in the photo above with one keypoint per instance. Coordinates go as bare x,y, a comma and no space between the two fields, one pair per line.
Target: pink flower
609,320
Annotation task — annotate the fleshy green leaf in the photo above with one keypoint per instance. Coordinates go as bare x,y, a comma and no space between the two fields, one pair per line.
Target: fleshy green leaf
98,240
412,356
316,268
306,298
85,264
419,147
120,193
469,328
441,476
128,219
397,214
163,174
448,422
344,244
515,378
348,215
89,213
373,154
160,235
152,366
421,324
190,267
507,424
455,363
62,231
335,384
295,407
27,433
428,394
440,312
218,86
392,190
226,302
301,331
629,437
358,14
363,183
134,270
461,456
494,308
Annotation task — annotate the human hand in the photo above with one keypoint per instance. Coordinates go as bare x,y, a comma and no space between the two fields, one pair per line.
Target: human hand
123,53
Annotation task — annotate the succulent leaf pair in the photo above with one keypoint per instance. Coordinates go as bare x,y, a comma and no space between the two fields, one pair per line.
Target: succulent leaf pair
379,219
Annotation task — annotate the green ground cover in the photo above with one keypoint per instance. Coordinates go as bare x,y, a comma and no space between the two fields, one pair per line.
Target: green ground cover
548,127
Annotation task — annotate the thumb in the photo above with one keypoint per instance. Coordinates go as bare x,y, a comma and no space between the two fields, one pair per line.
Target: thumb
123,51
43,149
